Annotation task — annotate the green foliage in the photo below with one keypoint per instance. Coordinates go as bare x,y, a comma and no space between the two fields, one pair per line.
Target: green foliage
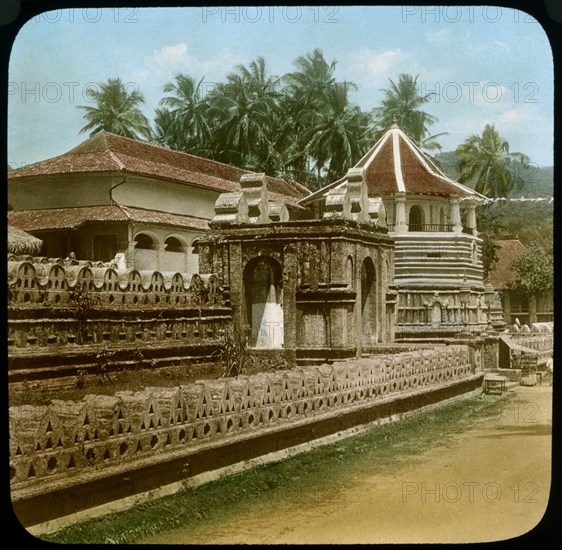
104,360
489,254
234,352
84,302
534,272
487,164
402,105
530,222
117,110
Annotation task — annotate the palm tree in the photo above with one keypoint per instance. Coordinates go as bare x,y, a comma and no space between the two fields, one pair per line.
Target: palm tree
336,138
327,131
185,125
117,111
305,95
402,105
486,162
245,117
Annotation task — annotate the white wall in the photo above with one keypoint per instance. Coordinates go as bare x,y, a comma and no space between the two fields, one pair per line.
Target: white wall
167,197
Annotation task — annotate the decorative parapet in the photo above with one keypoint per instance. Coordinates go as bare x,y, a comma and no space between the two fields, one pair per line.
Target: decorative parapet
254,187
250,205
338,204
68,443
351,201
231,208
52,281
377,211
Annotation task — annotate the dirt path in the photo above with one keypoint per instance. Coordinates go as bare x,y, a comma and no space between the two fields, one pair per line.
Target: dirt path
489,483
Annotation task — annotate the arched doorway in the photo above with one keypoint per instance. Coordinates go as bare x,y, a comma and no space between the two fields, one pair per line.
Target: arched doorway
368,303
415,219
264,302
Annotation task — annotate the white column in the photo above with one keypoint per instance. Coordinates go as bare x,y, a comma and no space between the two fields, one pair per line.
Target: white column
400,225
471,218
456,215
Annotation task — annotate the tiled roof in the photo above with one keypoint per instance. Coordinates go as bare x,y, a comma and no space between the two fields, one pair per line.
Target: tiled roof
395,164
502,274
105,152
72,218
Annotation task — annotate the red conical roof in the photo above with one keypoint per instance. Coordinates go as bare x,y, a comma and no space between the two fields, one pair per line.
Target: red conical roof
396,165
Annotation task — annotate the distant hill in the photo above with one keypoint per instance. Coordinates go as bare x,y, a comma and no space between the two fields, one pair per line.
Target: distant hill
539,181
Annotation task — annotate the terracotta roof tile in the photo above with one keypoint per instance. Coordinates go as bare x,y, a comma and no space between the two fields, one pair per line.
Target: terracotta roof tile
395,161
72,218
107,152
394,164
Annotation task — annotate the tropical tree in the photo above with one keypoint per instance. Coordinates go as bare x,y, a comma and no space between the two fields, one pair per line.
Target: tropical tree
402,105
534,272
245,117
486,163
184,122
327,130
335,138
117,110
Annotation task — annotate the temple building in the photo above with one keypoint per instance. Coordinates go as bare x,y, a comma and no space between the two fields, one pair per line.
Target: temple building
117,199
432,220
318,287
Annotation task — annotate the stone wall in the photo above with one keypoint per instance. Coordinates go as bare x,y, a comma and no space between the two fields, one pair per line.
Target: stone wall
71,443
63,313
52,281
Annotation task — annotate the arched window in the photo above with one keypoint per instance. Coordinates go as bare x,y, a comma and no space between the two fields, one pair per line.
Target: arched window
173,245
144,242
415,219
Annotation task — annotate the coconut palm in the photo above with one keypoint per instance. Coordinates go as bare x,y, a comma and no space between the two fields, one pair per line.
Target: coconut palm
245,117
185,122
402,105
305,95
336,138
485,162
117,111
328,131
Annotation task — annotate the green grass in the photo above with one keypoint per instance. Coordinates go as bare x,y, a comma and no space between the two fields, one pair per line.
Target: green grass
221,500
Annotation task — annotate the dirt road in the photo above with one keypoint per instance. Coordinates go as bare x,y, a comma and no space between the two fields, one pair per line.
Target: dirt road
489,483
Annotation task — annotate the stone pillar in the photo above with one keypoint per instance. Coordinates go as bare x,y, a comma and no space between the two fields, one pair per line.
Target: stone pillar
290,264
161,250
471,218
456,215
506,303
400,224
236,276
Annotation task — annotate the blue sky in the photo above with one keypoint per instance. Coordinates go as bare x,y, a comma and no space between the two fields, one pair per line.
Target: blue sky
487,64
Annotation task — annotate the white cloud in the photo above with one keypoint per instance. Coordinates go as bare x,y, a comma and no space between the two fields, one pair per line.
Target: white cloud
439,38
376,64
170,60
169,56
